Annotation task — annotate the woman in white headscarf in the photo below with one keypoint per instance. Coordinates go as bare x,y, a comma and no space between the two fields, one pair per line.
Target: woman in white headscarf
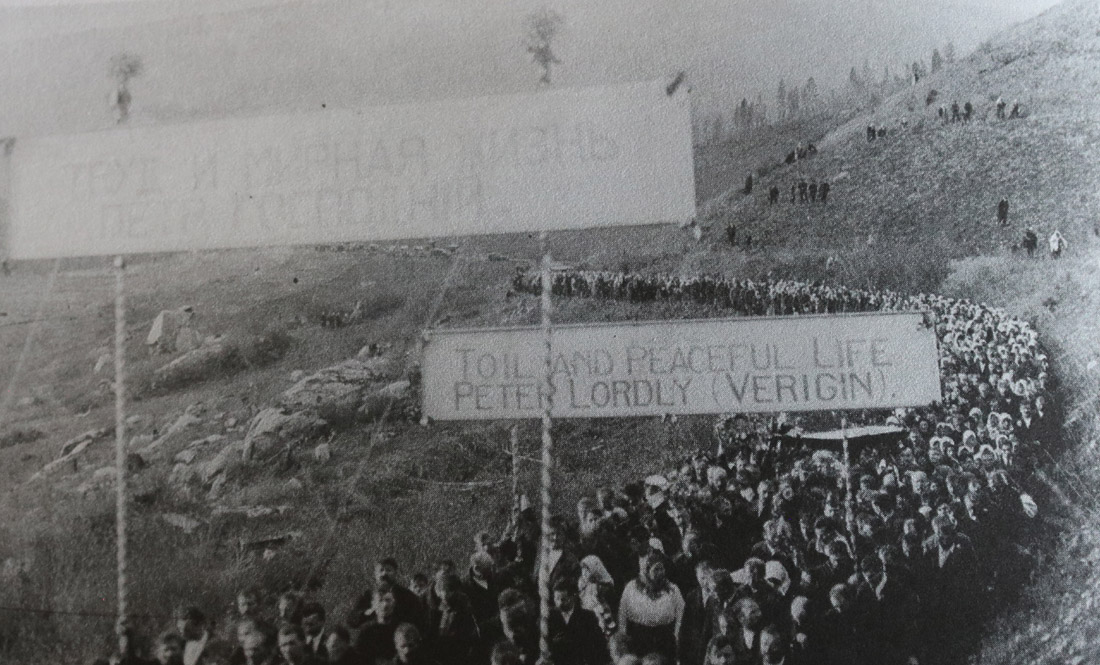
596,588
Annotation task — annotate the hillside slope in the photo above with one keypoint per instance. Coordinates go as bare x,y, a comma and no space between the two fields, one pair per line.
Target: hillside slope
931,186
937,185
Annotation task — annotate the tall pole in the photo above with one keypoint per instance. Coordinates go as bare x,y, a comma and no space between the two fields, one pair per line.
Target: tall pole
849,510
547,455
120,436
514,441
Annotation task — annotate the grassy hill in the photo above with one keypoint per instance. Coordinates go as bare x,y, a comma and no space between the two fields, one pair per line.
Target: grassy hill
924,195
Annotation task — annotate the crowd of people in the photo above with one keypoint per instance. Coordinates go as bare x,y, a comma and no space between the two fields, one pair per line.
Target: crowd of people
764,551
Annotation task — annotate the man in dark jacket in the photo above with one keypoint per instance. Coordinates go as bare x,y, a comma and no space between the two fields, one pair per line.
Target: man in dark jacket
575,635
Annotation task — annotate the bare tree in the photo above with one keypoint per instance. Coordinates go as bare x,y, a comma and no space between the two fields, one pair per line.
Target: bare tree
123,68
542,27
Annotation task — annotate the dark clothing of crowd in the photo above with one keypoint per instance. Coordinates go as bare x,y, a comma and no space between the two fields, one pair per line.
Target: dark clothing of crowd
764,551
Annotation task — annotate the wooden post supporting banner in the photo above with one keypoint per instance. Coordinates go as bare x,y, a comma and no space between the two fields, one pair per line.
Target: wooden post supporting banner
120,438
547,457
849,501
514,449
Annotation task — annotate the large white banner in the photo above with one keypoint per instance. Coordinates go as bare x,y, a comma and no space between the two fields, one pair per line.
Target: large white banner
559,159
768,364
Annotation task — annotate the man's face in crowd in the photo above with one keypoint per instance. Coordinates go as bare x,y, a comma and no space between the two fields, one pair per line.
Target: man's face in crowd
313,624
385,573
724,656
246,605
703,577
188,629
384,604
287,606
336,647
771,648
564,601
657,573
170,653
406,646
556,538
291,647
254,647
751,617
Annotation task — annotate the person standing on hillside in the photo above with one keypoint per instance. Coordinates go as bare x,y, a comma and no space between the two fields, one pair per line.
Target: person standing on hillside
1057,244
748,184
955,117
968,111
1002,212
1000,108
802,191
773,195
794,193
824,190
1031,241
813,191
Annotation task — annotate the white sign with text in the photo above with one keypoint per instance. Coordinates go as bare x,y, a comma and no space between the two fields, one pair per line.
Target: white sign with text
767,364
558,159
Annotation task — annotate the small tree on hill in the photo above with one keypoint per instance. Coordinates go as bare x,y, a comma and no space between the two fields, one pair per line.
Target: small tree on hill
781,99
542,27
949,53
937,61
123,68
810,94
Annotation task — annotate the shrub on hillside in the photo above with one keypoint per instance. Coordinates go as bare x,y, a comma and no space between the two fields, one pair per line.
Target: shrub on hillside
267,347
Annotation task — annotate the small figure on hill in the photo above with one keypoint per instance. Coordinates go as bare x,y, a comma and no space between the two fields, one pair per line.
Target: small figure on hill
813,191
1057,244
1001,108
1015,113
811,149
955,117
1002,212
1031,241
870,133
731,234
4,267
791,157
748,241
942,112
802,191
881,132
794,193
824,190
773,195
748,184
968,111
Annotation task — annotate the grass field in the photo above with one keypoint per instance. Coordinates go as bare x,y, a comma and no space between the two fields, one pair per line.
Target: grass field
912,212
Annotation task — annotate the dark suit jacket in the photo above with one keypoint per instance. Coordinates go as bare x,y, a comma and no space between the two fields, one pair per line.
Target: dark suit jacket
695,630
579,642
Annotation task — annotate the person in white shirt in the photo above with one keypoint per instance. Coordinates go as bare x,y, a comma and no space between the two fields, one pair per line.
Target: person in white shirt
652,607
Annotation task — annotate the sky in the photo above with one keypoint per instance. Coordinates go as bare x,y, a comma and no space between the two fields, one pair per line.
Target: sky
210,58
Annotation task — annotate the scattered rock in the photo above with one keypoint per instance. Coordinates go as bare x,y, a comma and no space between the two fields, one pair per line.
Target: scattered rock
198,364
25,402
297,375
322,453
188,339
334,393
134,420
386,398
183,475
141,440
272,428
294,485
186,456
165,328
188,524
102,363
183,422
71,449
231,423
217,466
